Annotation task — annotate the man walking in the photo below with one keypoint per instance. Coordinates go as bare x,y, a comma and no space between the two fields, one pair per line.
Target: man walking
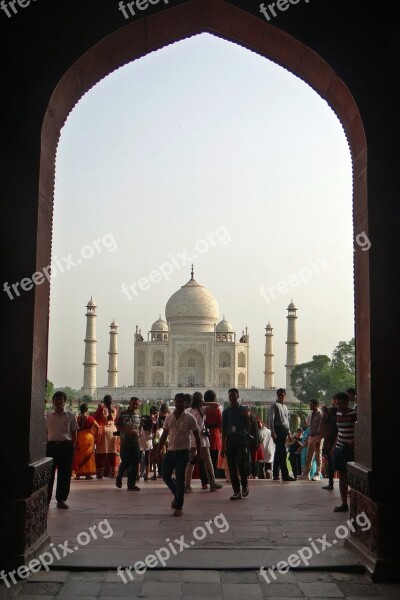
279,424
61,439
199,411
128,424
313,443
235,428
177,427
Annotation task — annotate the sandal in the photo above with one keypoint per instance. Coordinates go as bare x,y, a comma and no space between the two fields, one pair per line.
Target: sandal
341,508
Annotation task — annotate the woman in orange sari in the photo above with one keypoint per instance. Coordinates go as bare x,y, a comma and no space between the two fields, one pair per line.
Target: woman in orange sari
84,458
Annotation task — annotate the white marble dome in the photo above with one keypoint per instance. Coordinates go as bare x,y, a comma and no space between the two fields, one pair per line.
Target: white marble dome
159,325
224,326
192,307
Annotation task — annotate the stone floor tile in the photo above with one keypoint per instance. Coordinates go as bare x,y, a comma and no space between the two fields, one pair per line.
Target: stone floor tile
352,577
389,590
80,588
57,576
239,577
370,597
199,591
28,597
361,589
42,588
167,576
6,593
201,576
322,590
140,597
281,590
288,577
113,577
242,591
312,576
160,589
75,597
120,589
97,576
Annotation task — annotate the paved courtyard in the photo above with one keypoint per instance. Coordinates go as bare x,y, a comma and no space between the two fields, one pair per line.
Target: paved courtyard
215,550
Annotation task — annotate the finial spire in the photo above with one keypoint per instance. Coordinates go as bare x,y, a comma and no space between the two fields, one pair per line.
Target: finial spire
192,274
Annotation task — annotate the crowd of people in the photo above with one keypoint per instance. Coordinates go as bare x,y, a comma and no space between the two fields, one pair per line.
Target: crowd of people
233,444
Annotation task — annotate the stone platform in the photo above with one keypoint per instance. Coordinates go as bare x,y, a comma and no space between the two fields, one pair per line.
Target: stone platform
275,521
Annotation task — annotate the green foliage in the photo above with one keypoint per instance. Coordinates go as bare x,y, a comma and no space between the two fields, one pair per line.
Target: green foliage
49,389
72,394
265,415
322,377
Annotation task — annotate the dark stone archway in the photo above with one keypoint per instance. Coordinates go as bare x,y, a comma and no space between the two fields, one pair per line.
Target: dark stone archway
80,46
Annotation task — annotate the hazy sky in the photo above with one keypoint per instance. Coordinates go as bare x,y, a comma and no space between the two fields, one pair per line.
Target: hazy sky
202,148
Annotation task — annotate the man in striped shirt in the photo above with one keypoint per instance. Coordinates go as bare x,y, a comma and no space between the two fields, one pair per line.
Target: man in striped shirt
343,450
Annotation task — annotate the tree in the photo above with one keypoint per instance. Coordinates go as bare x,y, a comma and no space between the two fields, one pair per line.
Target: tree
344,356
322,377
49,389
70,393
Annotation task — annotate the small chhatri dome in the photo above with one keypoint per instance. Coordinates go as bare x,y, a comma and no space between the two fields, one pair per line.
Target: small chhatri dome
91,302
114,323
291,306
224,326
159,325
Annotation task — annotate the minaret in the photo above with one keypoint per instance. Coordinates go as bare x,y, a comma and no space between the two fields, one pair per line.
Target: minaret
291,352
269,373
113,357
89,371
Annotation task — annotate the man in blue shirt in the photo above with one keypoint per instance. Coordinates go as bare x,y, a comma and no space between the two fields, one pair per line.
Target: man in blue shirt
235,427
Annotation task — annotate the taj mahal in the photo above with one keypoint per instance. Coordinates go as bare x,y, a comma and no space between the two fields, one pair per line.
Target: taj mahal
191,348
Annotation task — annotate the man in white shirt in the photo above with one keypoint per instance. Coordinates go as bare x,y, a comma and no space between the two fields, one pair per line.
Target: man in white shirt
61,439
199,410
177,427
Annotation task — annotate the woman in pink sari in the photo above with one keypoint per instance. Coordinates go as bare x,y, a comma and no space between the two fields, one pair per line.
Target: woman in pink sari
84,461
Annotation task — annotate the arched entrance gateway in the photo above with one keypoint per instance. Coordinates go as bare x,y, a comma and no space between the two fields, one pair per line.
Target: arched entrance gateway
327,46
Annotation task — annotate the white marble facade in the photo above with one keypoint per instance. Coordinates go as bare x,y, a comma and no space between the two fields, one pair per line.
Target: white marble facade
191,348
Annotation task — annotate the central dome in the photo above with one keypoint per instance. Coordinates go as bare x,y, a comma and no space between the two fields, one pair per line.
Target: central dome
192,308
